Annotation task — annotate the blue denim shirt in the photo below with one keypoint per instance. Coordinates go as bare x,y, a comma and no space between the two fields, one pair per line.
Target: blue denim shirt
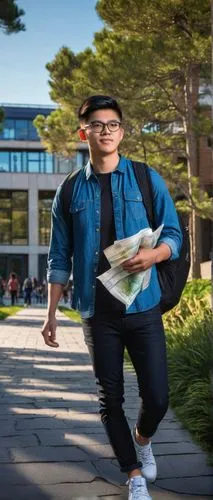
82,250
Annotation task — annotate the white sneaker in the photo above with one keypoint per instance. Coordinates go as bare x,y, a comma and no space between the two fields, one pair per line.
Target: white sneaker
138,489
146,457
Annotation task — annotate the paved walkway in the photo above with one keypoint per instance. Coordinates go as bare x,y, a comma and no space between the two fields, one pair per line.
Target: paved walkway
53,445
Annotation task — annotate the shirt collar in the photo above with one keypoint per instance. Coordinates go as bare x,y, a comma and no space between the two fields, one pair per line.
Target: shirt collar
120,168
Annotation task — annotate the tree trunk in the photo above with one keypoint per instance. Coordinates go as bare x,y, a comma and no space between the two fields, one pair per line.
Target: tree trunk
191,89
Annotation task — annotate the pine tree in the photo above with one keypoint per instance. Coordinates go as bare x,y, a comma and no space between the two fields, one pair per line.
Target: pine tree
154,73
180,30
10,15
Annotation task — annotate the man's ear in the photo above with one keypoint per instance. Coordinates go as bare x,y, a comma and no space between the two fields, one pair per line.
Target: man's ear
82,134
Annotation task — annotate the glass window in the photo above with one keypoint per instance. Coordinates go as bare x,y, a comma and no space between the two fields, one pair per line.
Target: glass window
49,159
16,161
9,129
5,226
19,227
21,127
66,165
20,200
24,161
42,162
34,162
42,267
5,217
45,205
33,134
13,217
4,161
14,262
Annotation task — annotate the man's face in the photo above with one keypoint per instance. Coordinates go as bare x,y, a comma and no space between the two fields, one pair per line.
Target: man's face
103,141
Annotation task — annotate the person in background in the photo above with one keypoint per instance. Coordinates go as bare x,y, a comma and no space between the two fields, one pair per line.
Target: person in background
27,287
13,288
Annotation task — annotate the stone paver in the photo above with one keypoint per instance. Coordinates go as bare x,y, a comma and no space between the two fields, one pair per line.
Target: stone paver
52,444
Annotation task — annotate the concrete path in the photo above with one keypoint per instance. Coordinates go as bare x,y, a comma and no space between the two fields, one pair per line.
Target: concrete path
53,445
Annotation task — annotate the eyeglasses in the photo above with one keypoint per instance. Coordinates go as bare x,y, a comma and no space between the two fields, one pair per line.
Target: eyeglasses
98,127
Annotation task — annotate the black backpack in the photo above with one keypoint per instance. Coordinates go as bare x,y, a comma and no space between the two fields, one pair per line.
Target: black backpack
172,274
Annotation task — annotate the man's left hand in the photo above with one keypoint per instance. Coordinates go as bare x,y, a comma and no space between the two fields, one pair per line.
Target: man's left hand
144,259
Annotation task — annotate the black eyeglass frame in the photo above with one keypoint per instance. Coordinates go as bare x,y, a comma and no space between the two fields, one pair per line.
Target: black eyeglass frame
103,124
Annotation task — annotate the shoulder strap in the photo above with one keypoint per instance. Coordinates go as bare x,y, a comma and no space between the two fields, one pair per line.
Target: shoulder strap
67,192
142,175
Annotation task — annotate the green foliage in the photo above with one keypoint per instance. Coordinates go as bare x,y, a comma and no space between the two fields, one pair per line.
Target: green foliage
201,288
189,336
145,64
195,302
58,131
10,15
8,311
190,363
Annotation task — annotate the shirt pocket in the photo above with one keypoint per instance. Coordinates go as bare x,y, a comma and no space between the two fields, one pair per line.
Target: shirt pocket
133,205
77,207
81,212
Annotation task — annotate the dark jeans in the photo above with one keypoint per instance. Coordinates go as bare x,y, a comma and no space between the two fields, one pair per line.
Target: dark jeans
13,295
143,336
27,296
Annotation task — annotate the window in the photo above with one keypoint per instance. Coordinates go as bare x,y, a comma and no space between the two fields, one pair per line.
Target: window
8,131
13,217
66,165
16,161
4,161
16,263
45,205
21,130
49,163
32,132
42,267
33,162
40,162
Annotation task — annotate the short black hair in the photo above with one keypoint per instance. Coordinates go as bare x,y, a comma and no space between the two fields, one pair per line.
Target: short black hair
95,102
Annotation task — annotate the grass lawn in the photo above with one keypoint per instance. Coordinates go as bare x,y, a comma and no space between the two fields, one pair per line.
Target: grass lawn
8,311
73,315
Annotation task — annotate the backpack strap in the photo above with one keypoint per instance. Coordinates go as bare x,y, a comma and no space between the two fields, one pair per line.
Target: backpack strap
66,194
143,178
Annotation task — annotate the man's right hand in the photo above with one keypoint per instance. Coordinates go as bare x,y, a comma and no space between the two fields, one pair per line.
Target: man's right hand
49,332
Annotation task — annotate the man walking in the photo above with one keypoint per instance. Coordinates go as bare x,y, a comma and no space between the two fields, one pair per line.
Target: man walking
107,205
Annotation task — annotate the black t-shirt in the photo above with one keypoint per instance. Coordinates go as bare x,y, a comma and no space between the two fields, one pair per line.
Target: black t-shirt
105,302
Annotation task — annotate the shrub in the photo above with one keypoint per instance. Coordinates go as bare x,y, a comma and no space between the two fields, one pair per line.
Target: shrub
190,364
195,301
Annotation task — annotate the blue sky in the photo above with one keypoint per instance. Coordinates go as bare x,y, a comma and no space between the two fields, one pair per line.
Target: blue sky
50,24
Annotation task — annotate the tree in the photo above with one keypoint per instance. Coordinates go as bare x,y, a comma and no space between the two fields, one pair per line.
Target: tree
10,23
180,31
10,15
141,68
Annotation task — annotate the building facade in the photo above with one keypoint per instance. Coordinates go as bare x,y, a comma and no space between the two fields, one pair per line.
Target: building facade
29,177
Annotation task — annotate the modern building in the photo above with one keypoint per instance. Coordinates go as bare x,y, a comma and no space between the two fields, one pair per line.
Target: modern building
29,177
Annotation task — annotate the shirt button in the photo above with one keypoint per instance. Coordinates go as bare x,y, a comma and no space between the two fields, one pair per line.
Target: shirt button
93,286
97,211
97,229
96,253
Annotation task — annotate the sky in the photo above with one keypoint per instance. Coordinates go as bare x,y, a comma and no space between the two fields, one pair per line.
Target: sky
50,24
